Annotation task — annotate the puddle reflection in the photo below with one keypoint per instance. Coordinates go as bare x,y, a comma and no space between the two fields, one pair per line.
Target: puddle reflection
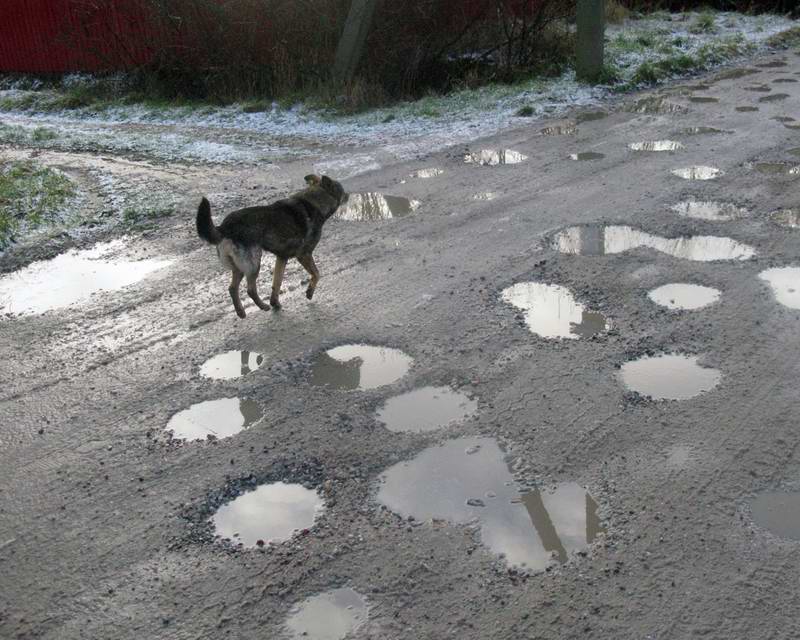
426,409
359,366
220,418
785,284
494,157
682,296
231,365
374,207
328,616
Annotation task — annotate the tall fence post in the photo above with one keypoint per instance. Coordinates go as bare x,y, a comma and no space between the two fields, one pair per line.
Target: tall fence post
591,40
354,37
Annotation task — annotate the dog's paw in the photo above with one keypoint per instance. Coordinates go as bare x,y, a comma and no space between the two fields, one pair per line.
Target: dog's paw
241,313
309,293
276,306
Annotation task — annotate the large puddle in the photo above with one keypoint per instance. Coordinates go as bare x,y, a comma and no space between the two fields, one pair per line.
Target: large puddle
219,419
669,377
271,513
426,409
72,277
373,207
698,173
467,481
332,615
231,365
655,105
786,218
778,512
551,311
656,145
785,284
709,210
359,366
494,157
597,240
682,296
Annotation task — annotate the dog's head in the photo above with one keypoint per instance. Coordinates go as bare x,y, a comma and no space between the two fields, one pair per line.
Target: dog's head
331,187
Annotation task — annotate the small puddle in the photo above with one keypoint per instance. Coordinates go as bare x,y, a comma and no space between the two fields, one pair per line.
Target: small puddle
782,119
679,456
427,173
702,131
785,284
221,418
792,125
494,157
656,145
655,105
778,512
373,207
359,366
710,210
467,481
684,297
72,277
786,218
598,240
332,615
703,99
270,513
735,74
784,80
551,311
775,97
759,88
775,64
426,409
231,365
591,116
587,155
486,196
568,129
774,168
746,109
795,151
669,377
698,173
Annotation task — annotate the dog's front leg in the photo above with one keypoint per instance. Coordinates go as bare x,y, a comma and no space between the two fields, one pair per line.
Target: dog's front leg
236,280
277,280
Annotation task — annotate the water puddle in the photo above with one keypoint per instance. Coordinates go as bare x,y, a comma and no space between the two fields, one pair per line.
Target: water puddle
569,129
587,155
486,196
427,173
702,131
786,218
758,88
778,512
467,481
785,284
231,365
775,64
494,157
359,366
270,513
332,615
795,151
792,125
679,456
551,311
426,409
775,168
669,377
710,210
746,109
221,418
72,277
785,80
782,119
655,105
775,97
684,297
590,116
656,145
698,173
735,74
598,240
703,99
374,207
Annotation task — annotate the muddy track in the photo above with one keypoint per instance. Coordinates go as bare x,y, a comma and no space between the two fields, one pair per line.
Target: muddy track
104,518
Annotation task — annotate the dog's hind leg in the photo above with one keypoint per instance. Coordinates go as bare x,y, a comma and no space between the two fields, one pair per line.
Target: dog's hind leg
277,279
310,266
252,291
236,280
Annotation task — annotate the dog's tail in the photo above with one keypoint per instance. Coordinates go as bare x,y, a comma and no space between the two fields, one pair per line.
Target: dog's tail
205,226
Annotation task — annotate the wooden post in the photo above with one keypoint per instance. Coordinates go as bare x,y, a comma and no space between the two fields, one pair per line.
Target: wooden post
591,40
354,37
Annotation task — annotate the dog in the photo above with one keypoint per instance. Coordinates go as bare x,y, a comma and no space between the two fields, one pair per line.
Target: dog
289,228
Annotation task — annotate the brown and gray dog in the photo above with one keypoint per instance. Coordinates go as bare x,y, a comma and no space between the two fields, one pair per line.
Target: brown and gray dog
289,228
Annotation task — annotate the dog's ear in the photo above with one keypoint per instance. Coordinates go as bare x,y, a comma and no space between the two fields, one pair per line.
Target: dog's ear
327,183
313,180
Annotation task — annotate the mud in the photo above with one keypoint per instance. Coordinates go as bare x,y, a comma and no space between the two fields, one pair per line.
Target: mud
465,481
710,210
684,297
551,311
785,284
426,409
778,512
374,207
598,240
359,366
669,377
231,365
271,513
215,419
494,157
698,173
332,615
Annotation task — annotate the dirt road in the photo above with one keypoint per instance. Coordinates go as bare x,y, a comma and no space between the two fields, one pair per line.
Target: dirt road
104,520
